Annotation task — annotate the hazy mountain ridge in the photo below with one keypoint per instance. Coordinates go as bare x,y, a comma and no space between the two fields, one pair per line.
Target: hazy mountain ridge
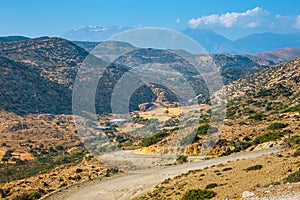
213,42
13,38
260,42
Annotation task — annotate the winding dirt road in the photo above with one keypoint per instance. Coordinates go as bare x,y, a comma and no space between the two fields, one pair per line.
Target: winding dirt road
135,183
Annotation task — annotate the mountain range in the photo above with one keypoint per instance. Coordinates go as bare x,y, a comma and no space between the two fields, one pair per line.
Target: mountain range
44,70
213,42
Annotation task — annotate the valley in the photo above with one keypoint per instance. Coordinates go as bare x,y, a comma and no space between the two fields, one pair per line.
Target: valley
160,139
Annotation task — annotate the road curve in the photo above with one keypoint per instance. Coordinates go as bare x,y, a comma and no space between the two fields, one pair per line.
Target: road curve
136,183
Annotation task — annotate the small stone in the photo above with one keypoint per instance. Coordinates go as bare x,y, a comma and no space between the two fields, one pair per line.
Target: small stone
246,194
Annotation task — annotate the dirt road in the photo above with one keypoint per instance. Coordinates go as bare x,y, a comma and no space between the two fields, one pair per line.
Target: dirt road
135,183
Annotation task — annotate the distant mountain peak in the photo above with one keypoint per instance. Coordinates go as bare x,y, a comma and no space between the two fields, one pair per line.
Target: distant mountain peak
100,28
94,33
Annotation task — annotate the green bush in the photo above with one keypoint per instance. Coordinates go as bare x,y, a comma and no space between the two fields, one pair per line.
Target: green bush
230,112
22,197
276,126
237,148
227,152
64,184
254,167
189,139
182,159
242,146
31,196
79,170
120,138
293,178
296,153
294,139
211,186
257,116
203,129
227,169
198,194
296,79
221,142
249,110
293,109
154,138
59,147
268,137
35,195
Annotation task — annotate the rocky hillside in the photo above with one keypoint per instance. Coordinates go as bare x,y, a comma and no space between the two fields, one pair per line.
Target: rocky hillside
264,107
234,67
38,74
25,91
45,68
276,83
263,110
57,59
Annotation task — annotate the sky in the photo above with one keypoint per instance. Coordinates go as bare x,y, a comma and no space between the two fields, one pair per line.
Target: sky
232,18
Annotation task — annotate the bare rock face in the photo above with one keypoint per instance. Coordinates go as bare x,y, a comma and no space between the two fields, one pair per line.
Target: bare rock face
145,106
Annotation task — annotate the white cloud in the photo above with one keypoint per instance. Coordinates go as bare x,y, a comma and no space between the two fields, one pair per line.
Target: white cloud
297,23
252,25
177,21
247,19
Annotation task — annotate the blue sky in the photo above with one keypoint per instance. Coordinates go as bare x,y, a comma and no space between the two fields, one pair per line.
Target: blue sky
232,18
